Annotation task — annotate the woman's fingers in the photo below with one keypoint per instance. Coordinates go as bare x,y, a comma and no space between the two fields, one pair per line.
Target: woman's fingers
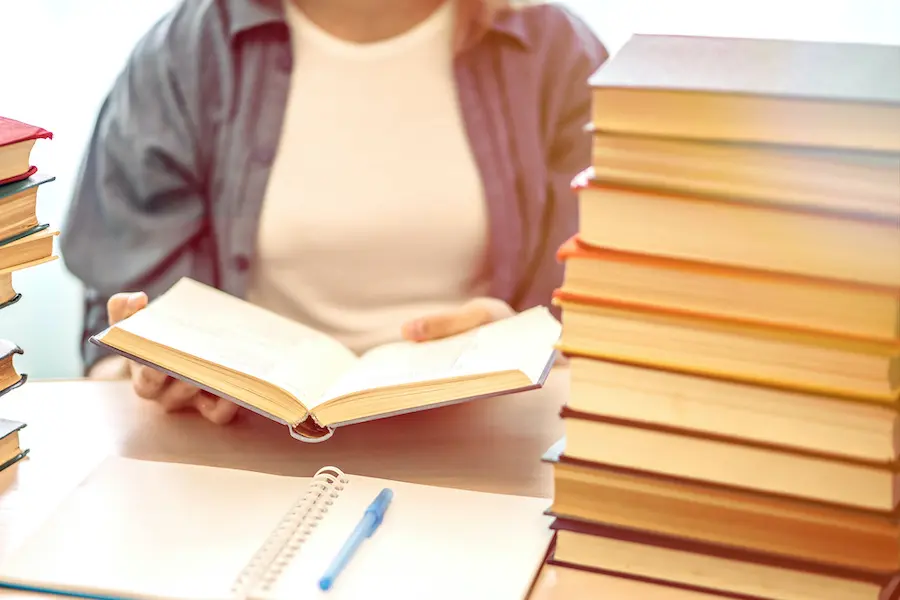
470,315
147,383
121,306
177,395
217,410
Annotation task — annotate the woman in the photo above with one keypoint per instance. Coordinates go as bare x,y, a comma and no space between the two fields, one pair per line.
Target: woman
372,168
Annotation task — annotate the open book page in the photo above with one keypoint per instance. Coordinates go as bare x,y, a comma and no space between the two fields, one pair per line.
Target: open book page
140,529
221,329
434,543
167,531
524,342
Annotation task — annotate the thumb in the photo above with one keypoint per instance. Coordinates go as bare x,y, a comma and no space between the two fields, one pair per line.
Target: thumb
469,316
122,306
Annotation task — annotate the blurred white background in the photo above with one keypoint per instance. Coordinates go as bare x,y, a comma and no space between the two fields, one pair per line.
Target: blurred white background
873,21
64,54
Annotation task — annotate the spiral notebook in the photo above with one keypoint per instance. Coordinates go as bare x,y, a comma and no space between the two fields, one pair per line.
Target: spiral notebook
164,531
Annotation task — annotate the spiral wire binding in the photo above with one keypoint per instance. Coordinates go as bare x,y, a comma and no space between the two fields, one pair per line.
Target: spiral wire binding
292,531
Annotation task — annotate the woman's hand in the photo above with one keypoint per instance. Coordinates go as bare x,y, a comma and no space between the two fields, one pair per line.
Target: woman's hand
151,384
472,314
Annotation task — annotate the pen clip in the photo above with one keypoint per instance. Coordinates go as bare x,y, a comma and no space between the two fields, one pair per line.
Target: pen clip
378,507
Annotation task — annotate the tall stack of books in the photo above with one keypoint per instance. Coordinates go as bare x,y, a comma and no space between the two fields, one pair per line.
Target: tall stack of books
731,307
24,242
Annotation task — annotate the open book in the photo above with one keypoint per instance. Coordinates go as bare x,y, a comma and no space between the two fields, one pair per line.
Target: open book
309,381
166,531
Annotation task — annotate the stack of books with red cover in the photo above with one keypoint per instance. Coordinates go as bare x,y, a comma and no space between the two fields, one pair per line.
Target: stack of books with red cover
731,309
24,242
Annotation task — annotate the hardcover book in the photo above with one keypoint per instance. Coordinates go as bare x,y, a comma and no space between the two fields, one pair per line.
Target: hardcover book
842,308
18,208
791,92
11,451
707,512
8,293
16,142
27,251
710,568
309,381
741,350
864,250
10,379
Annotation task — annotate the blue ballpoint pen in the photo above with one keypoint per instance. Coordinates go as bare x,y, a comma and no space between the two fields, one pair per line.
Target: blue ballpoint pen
370,521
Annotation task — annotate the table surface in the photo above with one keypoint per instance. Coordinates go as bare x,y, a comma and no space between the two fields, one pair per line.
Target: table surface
492,445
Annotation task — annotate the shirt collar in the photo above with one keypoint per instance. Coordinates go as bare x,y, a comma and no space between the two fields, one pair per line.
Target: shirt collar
511,24
244,15
250,14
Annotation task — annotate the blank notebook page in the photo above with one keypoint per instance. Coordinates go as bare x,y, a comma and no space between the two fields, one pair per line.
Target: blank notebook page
149,530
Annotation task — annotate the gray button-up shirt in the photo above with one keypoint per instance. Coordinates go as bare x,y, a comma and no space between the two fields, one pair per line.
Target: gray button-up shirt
175,173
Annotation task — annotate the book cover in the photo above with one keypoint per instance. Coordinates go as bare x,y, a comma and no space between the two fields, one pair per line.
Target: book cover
12,300
9,378
786,92
730,553
14,132
14,189
832,71
8,429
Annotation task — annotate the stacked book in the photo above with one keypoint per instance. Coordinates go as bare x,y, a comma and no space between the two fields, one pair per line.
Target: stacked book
24,242
731,309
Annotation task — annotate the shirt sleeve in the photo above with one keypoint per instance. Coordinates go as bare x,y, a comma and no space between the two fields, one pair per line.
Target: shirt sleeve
138,214
577,54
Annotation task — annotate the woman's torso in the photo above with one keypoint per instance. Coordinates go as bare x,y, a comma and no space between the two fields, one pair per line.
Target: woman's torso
374,212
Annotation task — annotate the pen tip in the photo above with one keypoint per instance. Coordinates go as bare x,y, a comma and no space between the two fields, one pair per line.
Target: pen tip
325,583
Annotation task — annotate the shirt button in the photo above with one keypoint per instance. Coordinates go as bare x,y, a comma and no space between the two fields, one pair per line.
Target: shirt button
241,262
